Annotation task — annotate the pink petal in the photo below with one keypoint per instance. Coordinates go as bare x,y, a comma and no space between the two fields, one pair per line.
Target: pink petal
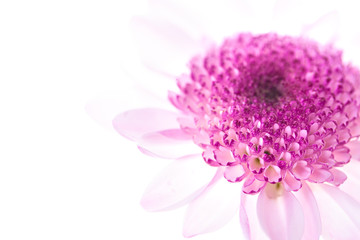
349,187
212,209
330,142
339,177
351,110
256,164
354,147
291,183
284,12
176,100
177,184
162,146
174,10
310,208
244,219
325,156
134,123
224,156
354,127
238,12
320,175
343,136
325,29
154,131
177,134
159,41
209,158
352,182
301,170
342,155
235,173
280,213
272,174
353,168
249,219
201,138
253,185
187,122
336,223
349,205
241,149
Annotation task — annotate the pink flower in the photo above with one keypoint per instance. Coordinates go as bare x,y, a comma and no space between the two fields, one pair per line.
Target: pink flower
267,127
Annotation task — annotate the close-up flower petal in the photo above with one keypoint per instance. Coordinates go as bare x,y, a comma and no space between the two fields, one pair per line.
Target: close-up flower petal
280,213
179,183
212,209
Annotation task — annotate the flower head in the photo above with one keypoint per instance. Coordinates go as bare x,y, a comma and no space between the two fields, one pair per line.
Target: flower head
268,125
272,109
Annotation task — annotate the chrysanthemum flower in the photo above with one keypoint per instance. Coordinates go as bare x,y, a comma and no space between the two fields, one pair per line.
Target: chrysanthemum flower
267,126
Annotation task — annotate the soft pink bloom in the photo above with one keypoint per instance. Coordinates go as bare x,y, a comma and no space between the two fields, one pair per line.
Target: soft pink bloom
267,128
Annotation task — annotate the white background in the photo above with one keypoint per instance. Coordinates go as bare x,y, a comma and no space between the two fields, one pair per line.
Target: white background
62,175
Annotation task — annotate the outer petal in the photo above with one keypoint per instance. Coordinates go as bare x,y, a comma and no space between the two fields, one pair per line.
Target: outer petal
325,29
162,145
280,213
352,183
179,14
308,202
351,186
352,168
289,18
248,218
212,209
349,205
177,184
336,223
163,46
133,124
212,22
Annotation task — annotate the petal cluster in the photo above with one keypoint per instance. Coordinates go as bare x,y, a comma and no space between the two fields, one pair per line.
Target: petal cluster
272,109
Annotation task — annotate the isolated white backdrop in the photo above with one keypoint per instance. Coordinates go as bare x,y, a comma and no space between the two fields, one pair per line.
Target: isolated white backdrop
62,175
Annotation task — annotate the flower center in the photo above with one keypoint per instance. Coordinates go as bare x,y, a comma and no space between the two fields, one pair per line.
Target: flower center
267,91
264,87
